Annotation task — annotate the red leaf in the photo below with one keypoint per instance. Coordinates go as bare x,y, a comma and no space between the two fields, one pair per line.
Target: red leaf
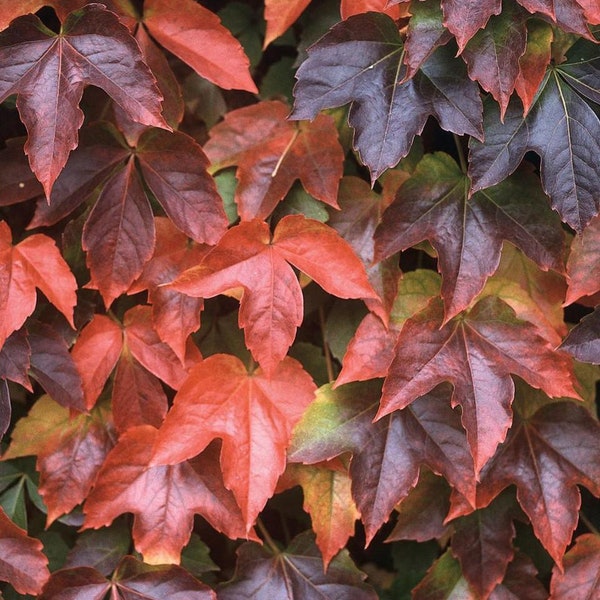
579,579
386,455
272,152
81,583
476,353
271,306
252,413
280,15
22,562
583,266
69,450
65,64
355,7
567,14
34,262
546,455
163,499
196,36
465,17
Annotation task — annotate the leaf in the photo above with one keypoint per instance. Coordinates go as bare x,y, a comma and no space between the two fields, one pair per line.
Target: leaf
468,232
163,499
583,266
475,352
583,341
493,54
561,127
355,7
80,583
53,368
328,500
22,562
34,262
271,153
546,455
252,413
520,582
69,450
271,306
66,63
196,36
568,15
15,357
359,61
386,455
280,15
294,574
581,570
444,580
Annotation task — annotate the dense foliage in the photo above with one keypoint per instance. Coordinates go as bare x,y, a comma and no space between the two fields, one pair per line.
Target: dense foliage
297,299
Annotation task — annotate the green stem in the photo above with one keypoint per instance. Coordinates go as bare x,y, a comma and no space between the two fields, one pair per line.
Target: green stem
326,351
267,537
588,523
461,155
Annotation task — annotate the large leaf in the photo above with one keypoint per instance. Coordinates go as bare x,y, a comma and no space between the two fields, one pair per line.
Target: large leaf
386,455
271,153
562,127
163,499
360,62
476,352
271,307
252,413
294,574
468,232
64,64
34,262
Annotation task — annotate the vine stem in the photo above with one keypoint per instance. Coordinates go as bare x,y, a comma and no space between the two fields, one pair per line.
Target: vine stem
461,155
588,523
285,151
326,351
267,537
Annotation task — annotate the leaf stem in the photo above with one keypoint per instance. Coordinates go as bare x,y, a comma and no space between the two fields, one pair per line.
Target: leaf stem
588,523
461,155
326,351
284,153
267,537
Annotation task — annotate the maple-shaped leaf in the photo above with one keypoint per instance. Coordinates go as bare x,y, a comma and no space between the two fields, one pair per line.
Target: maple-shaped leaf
53,367
583,265
583,341
174,315
581,570
65,64
561,127
69,450
12,10
196,36
467,233
294,574
492,55
272,152
163,499
546,455
248,256
359,61
386,455
34,262
371,349
477,353
326,488
22,562
280,15
252,413
131,579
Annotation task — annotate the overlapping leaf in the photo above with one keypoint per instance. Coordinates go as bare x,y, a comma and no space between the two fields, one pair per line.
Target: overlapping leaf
386,455
61,66
271,307
252,413
583,341
70,451
294,574
34,262
583,266
163,499
468,232
272,152
280,15
546,455
476,352
581,570
359,61
562,127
